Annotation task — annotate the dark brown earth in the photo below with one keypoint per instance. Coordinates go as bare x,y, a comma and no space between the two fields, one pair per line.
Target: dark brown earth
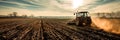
49,29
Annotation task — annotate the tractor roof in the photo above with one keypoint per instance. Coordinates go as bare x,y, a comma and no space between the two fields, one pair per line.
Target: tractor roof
83,12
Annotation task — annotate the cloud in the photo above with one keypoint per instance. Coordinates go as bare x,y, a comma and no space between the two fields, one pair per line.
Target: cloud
16,4
33,12
65,5
9,10
37,6
20,5
111,7
92,4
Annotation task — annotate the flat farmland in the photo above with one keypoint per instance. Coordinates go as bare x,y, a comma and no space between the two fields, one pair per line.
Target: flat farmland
49,29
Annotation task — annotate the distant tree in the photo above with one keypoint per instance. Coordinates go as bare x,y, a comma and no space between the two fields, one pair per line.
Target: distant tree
24,16
31,15
98,14
10,15
15,14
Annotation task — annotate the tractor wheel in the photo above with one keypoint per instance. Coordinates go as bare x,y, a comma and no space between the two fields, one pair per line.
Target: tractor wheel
87,22
77,23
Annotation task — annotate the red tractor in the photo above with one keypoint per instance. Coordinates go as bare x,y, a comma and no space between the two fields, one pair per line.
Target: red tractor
82,19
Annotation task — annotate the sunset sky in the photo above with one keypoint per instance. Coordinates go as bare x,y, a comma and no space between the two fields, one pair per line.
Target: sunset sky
56,7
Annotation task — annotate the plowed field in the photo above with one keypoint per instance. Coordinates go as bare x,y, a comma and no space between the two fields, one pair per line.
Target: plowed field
49,29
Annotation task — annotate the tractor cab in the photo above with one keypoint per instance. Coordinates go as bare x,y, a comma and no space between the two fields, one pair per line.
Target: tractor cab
81,14
82,18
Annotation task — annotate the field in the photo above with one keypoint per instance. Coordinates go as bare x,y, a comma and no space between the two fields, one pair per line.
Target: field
49,29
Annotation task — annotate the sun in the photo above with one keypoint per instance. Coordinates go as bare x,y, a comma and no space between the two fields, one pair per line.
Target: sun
77,3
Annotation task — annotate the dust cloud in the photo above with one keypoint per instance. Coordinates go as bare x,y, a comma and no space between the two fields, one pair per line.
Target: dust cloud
109,25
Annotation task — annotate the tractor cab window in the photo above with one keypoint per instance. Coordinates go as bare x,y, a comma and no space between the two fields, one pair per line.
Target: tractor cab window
85,14
79,14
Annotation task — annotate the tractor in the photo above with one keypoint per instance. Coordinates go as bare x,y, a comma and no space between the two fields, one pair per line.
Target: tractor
82,19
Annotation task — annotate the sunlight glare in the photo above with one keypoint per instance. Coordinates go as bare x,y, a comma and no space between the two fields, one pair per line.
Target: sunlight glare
77,3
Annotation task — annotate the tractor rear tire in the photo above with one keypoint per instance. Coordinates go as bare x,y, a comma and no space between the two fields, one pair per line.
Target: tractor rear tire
87,22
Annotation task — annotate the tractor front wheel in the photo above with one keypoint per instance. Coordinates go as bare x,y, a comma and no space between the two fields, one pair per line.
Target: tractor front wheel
77,23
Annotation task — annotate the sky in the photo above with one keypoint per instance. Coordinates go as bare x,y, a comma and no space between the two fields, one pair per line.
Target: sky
56,7
95,6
